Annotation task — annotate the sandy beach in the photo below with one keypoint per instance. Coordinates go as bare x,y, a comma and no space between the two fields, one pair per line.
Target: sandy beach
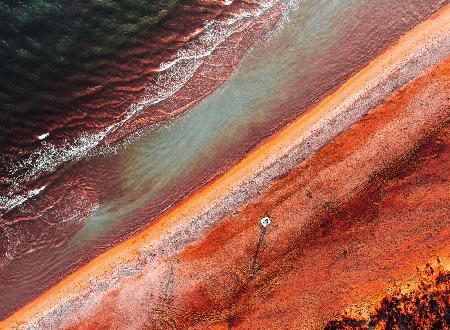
301,176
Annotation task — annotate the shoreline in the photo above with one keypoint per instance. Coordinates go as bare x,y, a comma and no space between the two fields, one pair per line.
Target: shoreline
281,71
268,154
321,239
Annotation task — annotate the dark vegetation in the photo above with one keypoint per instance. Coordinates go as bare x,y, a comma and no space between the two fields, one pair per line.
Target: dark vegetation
426,307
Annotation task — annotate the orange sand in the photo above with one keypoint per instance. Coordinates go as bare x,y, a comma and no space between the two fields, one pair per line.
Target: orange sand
104,265
356,247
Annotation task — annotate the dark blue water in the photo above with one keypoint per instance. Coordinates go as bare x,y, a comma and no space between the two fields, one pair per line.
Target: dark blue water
50,45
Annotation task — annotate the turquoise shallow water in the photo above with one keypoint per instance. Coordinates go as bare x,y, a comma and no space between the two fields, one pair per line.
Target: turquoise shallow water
189,146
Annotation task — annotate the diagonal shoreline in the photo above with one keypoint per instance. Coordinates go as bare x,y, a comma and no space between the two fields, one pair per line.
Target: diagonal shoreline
420,49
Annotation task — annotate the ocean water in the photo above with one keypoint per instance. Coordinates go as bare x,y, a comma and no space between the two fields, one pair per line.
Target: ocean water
88,106
70,212
49,46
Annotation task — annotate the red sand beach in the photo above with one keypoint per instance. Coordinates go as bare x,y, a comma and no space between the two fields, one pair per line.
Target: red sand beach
347,220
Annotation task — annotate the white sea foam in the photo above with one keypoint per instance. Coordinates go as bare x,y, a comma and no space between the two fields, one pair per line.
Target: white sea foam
11,203
173,75
43,136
